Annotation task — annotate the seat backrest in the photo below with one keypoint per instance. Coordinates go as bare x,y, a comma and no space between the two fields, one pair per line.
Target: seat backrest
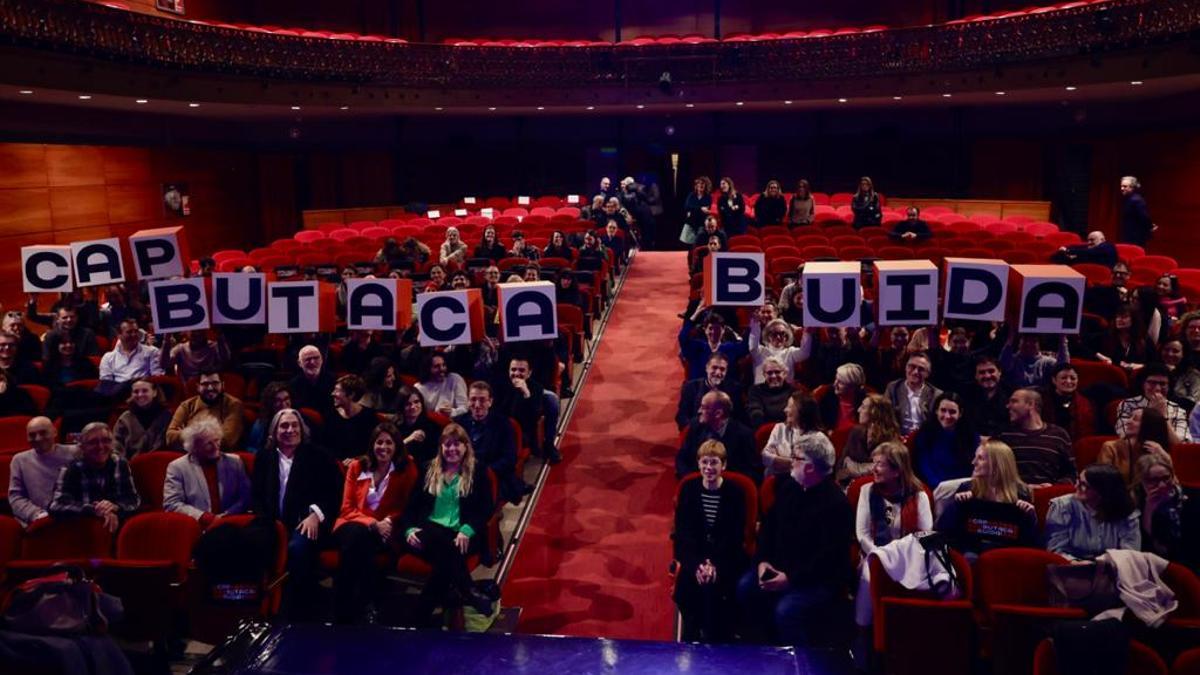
1142,660
11,533
149,471
159,536
1014,576
1043,496
51,539
749,494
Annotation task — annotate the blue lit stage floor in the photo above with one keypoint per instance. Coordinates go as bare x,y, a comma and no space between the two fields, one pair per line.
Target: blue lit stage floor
261,648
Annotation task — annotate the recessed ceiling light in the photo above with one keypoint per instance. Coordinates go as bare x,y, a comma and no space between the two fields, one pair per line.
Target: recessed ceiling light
345,107
492,108
295,107
741,103
787,102
1001,93
438,109
897,98
84,97
640,106
689,105
1069,88
947,95
141,101
591,107
842,100
541,107
27,92
193,105
1136,83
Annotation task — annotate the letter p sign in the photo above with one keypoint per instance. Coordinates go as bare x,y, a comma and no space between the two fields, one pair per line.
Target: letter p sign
735,279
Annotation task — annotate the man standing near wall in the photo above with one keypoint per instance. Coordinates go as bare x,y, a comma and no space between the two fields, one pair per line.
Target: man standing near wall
1136,226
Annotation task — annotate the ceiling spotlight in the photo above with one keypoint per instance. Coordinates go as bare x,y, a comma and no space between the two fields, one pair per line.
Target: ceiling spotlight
842,100
141,101
345,107
947,95
591,107
438,109
897,98
85,97
27,92
193,105
492,108
787,102
689,105
641,107
541,107
1070,88
1001,93
1136,83
295,107
741,103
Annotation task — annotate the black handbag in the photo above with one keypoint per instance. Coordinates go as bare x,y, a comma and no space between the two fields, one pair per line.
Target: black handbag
63,603
1090,586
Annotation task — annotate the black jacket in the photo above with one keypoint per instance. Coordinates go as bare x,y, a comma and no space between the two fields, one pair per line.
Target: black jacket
770,210
314,479
526,411
693,390
764,404
807,534
740,450
474,510
315,395
733,218
724,543
495,448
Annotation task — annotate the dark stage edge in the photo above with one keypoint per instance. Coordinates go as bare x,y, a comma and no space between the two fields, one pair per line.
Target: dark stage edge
260,648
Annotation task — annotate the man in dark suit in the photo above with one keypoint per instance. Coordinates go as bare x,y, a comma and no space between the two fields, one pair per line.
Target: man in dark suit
913,396
298,484
716,378
913,229
313,385
714,422
1136,225
1096,250
493,440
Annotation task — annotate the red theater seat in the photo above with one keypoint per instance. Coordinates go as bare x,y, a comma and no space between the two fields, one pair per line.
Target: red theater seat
1142,660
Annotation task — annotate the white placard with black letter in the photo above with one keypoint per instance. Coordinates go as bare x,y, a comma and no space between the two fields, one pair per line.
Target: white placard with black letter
832,294
46,269
239,298
293,307
976,289
178,305
528,311
97,262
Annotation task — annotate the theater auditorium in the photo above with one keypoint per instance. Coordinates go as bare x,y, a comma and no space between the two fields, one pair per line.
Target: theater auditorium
815,337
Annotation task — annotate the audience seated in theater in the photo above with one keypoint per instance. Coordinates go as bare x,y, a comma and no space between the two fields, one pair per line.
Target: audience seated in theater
732,208
1024,364
416,251
953,368
143,427
130,359
67,322
445,522
892,505
29,346
437,279
521,397
1065,406
418,433
993,509
712,227
1125,343
67,365
945,443
360,348
349,424
13,399
766,402
612,240
532,271
206,483
912,228
34,472
298,484
1185,378
558,247
1155,381
1171,302
493,440
712,244
275,397
987,399
716,377
840,403
1103,300
802,561
715,422
1096,250
211,401
592,248
594,210
444,391
522,249
311,386
876,424
377,487
1189,330
1100,515
890,362
800,429
489,246
96,483
382,386
802,208
613,211
566,290
1146,433
695,349
771,207
865,205
1043,451
709,534
1169,518
453,249
187,359
774,339
913,397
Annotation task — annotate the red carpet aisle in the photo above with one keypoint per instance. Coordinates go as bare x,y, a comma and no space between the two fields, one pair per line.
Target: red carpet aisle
594,559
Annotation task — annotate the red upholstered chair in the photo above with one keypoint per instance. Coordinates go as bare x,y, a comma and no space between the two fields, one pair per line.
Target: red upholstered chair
1186,586
905,620
1087,449
149,471
1142,660
1129,251
1187,663
749,494
1186,457
12,434
1159,264
11,533
39,394
1098,372
761,434
414,567
50,540
1043,496
1014,606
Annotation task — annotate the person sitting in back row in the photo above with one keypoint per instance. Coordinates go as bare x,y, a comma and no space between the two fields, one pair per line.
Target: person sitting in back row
210,401
912,229
98,483
493,441
1096,250
714,422
35,472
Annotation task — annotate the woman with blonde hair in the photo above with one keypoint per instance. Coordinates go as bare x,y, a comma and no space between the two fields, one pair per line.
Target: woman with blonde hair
876,424
446,520
839,404
771,207
865,204
995,502
732,208
1168,521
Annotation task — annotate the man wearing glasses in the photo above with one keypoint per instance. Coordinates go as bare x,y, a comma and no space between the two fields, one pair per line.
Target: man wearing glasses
913,396
29,347
1156,384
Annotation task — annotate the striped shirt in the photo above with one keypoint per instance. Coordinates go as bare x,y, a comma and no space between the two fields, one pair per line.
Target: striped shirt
710,501
1043,456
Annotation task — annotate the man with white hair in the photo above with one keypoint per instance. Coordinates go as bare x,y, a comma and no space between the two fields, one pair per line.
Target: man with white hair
1136,225
35,471
206,483
1096,249
97,483
311,386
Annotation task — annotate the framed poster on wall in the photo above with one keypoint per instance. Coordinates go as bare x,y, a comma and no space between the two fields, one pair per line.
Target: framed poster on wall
172,6
176,201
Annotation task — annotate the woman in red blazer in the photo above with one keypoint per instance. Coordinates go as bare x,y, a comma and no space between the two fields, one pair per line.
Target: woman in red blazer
376,491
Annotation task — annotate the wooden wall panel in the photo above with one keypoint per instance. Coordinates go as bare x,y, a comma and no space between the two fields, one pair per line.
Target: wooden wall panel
24,210
133,202
74,165
127,165
78,206
24,165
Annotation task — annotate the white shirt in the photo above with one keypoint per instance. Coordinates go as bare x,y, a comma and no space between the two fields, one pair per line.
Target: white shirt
916,413
375,492
285,472
118,366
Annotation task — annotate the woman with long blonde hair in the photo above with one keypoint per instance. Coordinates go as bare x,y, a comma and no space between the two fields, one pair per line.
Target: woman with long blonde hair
995,504
876,424
446,521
